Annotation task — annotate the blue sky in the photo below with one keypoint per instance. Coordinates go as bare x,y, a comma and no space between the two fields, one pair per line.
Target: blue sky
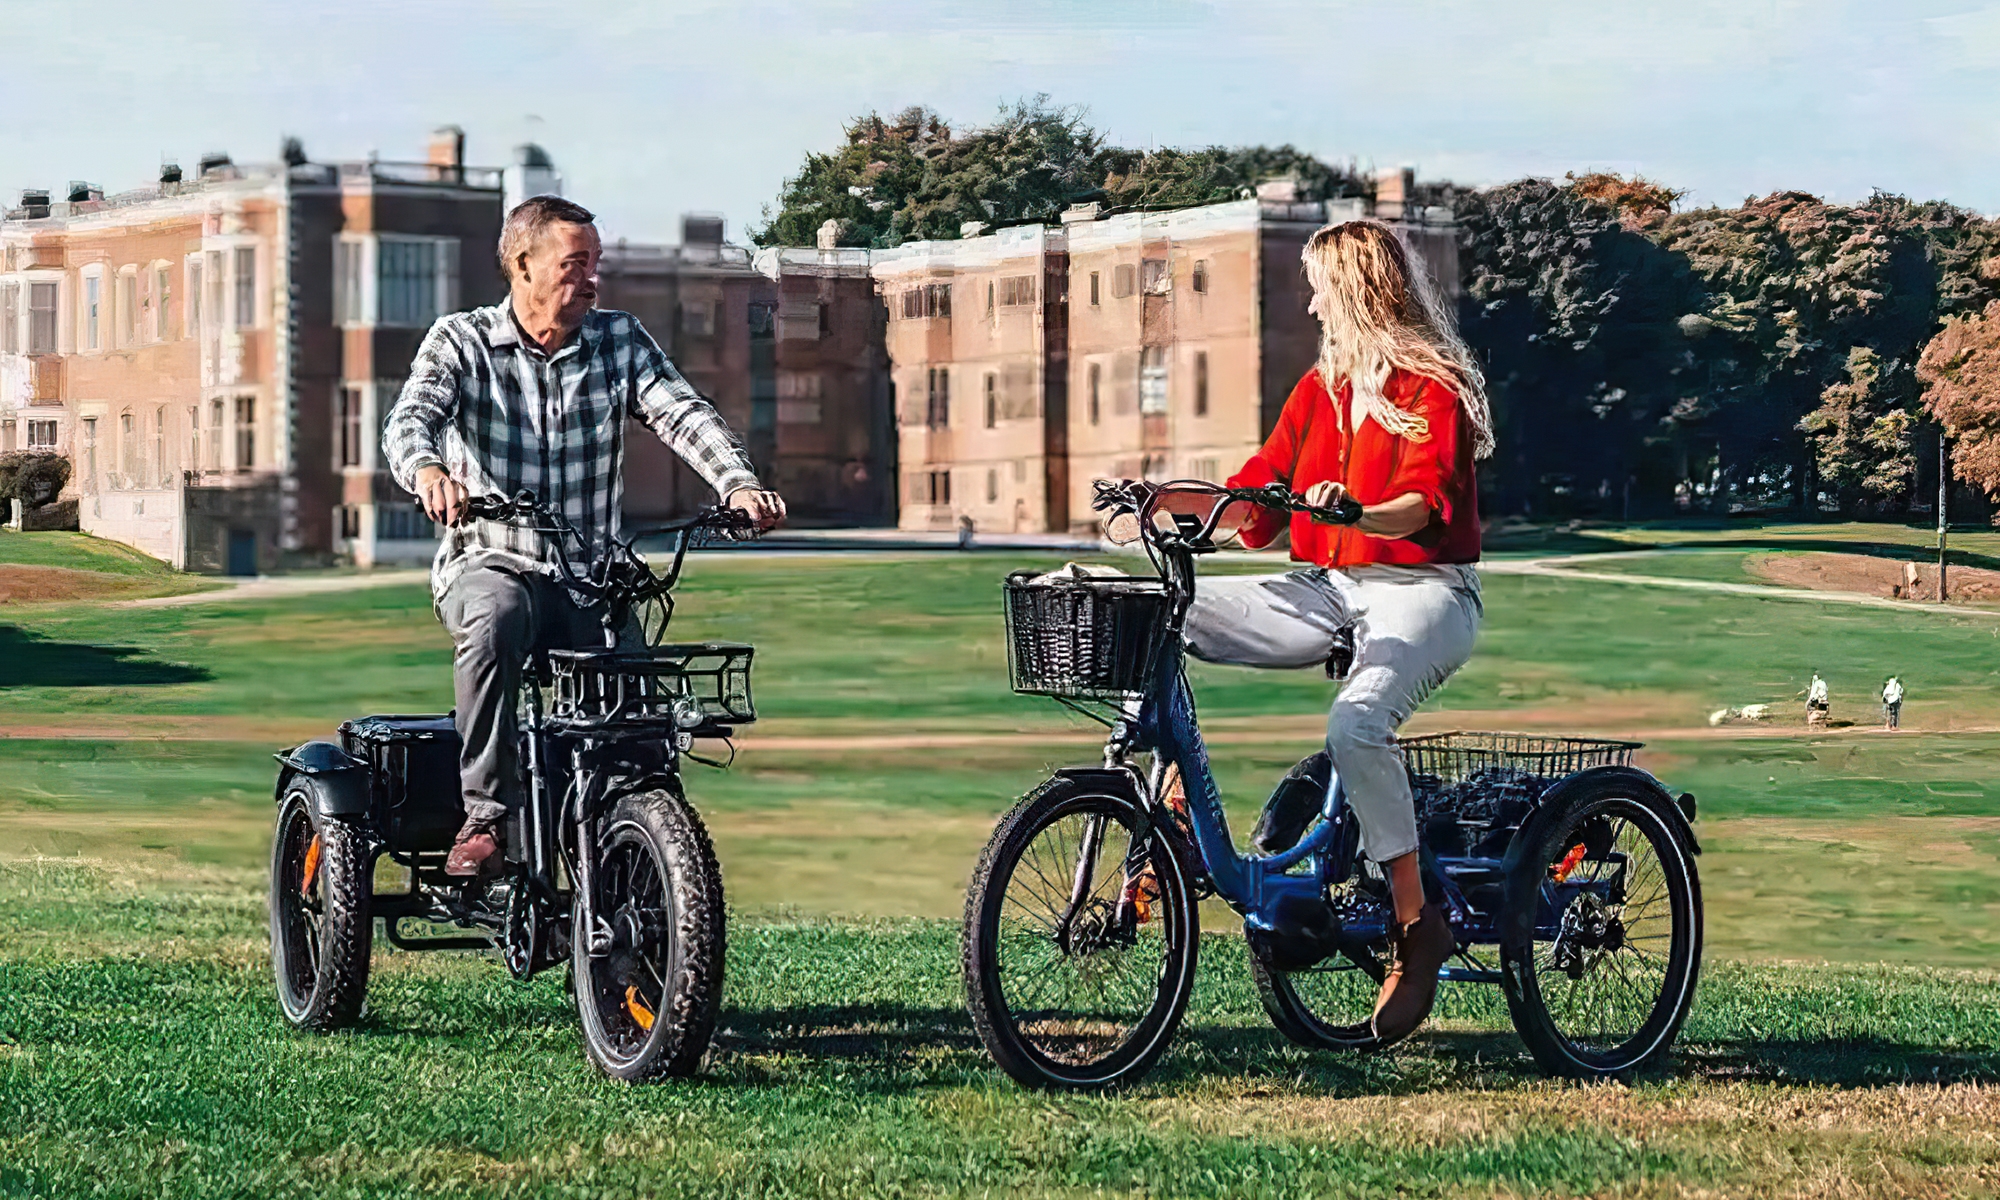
652,109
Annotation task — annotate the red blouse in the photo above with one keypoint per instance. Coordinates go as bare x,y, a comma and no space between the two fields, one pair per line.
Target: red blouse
1312,444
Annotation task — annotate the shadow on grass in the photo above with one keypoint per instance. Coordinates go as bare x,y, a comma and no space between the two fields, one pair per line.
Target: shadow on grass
27,660
881,1034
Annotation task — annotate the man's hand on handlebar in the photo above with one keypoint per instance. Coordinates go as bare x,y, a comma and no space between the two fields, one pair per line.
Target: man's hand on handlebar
443,498
764,507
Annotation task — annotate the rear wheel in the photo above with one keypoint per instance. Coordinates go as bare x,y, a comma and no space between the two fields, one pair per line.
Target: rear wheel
1602,940
1080,939
322,931
648,1007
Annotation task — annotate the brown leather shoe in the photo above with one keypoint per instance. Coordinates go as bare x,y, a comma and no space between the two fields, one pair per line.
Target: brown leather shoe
1409,989
476,851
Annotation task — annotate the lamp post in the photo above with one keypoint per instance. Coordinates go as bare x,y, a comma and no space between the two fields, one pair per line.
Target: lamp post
1944,493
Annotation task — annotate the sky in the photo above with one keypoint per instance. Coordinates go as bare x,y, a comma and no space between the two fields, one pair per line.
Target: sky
652,109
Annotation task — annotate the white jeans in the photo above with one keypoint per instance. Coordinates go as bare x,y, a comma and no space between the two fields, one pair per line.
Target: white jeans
1413,627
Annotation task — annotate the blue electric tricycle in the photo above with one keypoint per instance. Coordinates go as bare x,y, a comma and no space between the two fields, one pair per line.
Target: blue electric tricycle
1567,874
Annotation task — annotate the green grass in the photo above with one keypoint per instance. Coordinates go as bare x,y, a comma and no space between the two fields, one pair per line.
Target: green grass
845,1067
79,552
141,1053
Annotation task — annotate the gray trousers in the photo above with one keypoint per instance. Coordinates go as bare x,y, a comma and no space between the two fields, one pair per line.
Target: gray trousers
1413,627
497,618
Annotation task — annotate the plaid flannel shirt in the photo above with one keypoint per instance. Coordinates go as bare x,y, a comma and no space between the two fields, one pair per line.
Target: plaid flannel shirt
485,403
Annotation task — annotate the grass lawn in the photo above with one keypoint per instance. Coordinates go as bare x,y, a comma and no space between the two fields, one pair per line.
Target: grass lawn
141,1053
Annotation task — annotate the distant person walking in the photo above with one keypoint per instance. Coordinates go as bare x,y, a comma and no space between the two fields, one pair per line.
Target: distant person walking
1892,703
1819,701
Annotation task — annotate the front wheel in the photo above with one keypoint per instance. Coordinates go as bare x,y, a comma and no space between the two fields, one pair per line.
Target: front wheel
648,1006
1080,939
1602,938
322,932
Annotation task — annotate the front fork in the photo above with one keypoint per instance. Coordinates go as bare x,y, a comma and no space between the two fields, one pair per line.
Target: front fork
585,922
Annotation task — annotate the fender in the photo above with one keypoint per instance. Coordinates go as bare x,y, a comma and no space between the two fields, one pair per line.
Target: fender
1116,780
1639,785
339,785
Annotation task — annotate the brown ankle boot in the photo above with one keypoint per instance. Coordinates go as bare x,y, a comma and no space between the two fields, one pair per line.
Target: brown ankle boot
476,850
1417,950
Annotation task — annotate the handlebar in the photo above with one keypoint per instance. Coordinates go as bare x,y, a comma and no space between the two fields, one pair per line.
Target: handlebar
1142,499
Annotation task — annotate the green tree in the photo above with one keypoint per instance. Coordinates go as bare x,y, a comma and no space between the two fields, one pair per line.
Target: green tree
1862,437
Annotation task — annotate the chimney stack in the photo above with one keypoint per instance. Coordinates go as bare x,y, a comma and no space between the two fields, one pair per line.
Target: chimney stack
1395,192
701,229
446,153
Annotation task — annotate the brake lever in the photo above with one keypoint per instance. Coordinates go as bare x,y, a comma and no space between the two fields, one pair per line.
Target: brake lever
1345,511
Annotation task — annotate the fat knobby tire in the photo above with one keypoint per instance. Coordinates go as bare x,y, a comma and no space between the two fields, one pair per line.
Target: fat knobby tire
347,933
985,1000
681,846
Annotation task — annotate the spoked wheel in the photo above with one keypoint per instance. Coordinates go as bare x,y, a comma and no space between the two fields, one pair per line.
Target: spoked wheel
648,1007
1328,1005
1080,939
1603,934
322,931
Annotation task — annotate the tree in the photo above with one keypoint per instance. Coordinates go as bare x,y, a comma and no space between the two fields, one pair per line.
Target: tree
33,477
1862,440
1960,371
912,176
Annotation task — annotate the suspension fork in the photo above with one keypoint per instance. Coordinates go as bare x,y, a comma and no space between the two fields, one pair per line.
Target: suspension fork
584,921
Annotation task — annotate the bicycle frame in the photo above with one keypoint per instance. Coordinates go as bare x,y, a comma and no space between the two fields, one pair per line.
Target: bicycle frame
1164,722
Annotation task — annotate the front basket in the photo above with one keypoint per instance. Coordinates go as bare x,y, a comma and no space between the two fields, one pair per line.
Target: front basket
661,686
1088,638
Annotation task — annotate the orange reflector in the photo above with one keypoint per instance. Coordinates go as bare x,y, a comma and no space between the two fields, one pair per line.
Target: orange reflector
1568,863
312,868
638,1009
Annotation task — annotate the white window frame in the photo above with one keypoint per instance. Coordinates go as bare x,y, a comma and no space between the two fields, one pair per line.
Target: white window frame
125,309
160,281
194,273
64,332
13,335
90,329
362,252
258,269
52,424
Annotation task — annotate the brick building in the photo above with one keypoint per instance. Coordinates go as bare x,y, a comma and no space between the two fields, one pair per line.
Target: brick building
1030,361
216,354
788,347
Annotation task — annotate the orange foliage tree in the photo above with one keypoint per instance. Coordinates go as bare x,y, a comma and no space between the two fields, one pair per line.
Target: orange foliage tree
1960,371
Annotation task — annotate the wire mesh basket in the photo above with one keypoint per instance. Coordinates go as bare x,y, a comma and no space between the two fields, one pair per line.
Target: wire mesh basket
1448,758
672,685
1084,638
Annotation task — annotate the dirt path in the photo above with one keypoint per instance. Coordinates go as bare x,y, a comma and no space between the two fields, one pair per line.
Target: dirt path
278,587
1564,567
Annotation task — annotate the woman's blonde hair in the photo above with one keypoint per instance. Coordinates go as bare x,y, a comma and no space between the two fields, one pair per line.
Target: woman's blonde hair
1377,313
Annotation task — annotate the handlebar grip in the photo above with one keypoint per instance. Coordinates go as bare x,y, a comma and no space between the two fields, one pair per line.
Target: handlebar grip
1345,511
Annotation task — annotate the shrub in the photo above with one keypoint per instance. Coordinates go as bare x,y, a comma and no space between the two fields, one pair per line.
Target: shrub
34,477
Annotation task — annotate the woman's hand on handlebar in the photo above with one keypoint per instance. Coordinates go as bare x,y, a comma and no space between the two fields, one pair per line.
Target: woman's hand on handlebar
765,508
444,498
1332,503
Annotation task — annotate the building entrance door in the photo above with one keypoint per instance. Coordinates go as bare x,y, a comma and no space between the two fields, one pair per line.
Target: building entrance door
242,552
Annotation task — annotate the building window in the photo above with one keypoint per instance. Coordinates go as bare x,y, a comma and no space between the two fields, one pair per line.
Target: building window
1154,277
349,519
1017,290
246,287
1201,275
400,523
1201,383
1096,387
992,485
194,437
698,319
193,329
42,435
989,297
160,445
160,297
10,318
347,436
215,314
215,412
90,454
1153,379
415,280
93,300
1094,293
927,300
128,308
1124,280
1202,468
941,486
992,401
937,409
246,432
41,318
128,449
930,487
349,257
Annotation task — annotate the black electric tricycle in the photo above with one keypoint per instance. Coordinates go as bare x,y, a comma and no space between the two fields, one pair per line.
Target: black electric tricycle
1566,873
607,866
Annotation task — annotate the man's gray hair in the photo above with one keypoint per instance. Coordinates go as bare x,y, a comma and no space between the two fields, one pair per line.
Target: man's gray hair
528,219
